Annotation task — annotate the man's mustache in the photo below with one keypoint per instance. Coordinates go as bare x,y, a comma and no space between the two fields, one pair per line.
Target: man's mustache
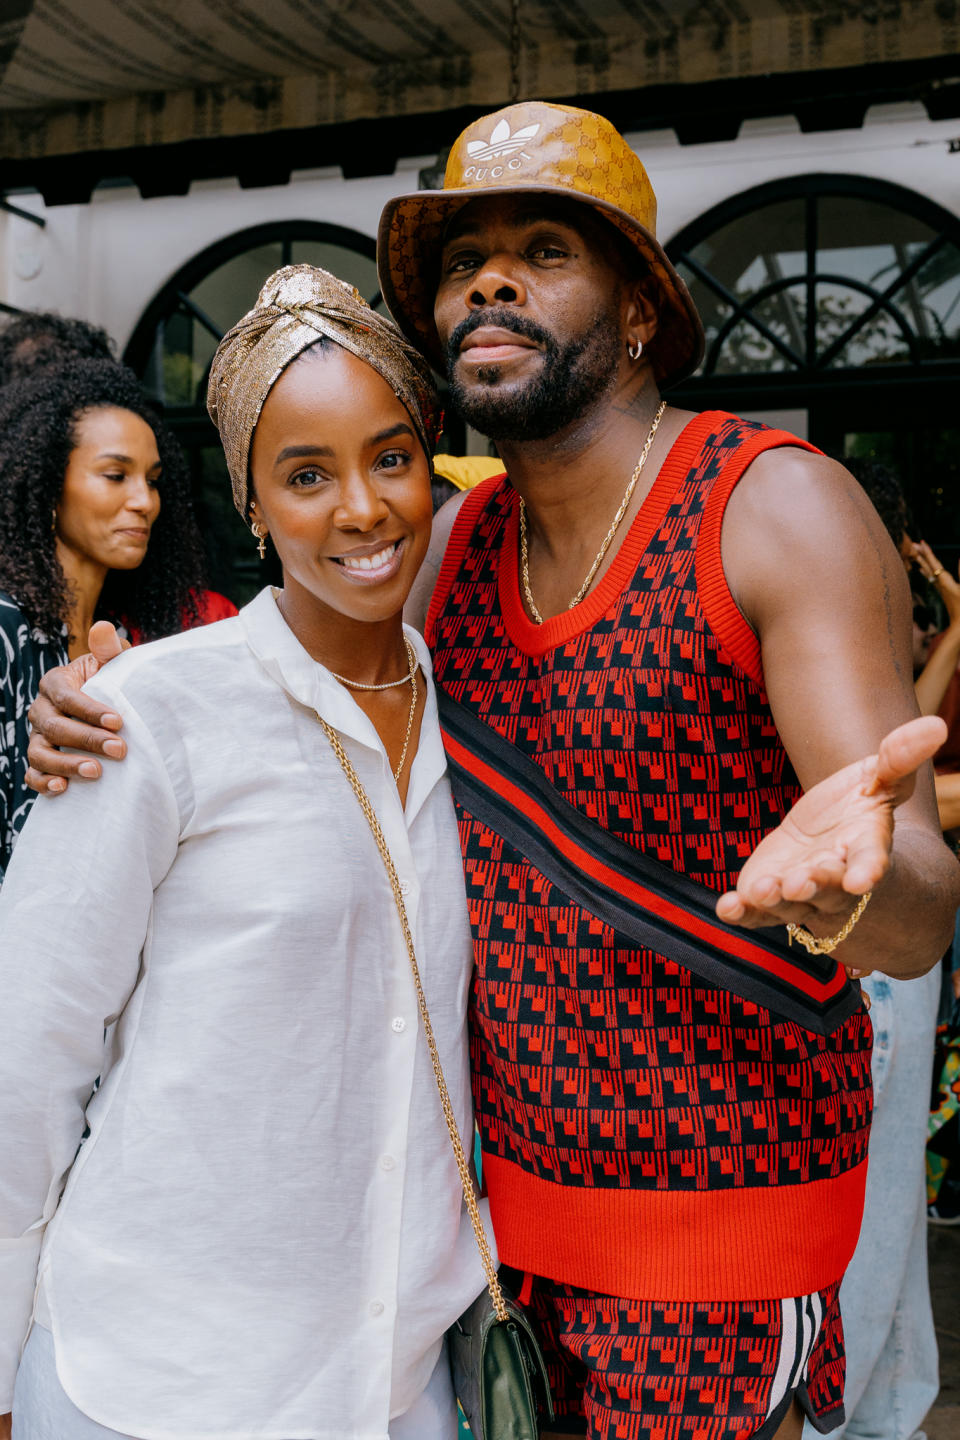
503,318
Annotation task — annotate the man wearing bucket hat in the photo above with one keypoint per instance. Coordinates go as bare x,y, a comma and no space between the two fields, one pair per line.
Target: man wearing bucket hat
645,642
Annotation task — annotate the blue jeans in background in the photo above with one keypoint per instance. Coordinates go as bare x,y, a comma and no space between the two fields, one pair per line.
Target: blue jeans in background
892,1367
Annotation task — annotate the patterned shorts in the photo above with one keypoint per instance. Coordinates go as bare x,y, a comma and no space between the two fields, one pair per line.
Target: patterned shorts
636,1370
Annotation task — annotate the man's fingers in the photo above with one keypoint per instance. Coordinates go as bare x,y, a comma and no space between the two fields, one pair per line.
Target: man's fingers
868,858
59,701
823,871
64,732
105,644
733,909
903,751
44,784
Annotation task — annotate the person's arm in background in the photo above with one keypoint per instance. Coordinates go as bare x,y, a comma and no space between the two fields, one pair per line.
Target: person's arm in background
935,677
74,911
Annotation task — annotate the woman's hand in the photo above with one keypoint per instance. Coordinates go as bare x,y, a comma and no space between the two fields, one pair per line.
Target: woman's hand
63,715
947,587
835,843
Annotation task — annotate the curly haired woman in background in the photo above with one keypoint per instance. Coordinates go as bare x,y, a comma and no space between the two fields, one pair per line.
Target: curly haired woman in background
95,522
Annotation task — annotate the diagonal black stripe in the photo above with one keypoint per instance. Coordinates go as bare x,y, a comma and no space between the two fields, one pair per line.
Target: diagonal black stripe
709,960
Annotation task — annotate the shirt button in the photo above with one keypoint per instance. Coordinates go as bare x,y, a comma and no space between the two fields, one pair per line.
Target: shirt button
387,1162
405,888
376,1307
398,1025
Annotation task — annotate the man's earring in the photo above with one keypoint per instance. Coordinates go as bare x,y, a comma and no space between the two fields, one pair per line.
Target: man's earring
260,532
635,350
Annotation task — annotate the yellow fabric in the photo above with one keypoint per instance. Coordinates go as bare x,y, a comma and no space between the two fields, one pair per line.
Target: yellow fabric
465,471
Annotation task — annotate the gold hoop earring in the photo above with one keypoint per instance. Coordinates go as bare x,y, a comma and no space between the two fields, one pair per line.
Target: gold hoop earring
636,350
260,533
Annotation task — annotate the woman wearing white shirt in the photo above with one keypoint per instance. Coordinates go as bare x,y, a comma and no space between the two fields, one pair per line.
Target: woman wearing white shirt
263,1234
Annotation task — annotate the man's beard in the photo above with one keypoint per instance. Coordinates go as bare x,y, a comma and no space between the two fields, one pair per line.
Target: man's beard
570,379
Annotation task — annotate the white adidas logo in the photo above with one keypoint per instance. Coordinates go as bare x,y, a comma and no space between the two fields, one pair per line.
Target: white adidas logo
504,144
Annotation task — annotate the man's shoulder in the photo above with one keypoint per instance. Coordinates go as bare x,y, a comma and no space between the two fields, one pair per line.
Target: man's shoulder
792,484
416,609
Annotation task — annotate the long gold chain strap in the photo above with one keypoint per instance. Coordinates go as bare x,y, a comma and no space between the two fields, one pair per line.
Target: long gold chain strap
608,538
413,709
466,1181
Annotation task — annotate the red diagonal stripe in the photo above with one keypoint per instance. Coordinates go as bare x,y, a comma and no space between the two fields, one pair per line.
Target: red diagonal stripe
732,941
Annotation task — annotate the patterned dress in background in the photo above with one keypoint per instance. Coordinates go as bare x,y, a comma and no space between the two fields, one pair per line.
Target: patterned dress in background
26,655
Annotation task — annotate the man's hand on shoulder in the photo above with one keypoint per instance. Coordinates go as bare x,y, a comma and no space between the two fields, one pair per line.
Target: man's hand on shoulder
62,715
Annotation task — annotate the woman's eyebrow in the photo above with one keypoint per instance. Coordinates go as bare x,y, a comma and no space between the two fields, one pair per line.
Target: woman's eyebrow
399,429
304,452
301,452
126,459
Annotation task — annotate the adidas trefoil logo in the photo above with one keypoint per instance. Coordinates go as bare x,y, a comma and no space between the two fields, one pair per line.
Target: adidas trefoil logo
504,144
501,143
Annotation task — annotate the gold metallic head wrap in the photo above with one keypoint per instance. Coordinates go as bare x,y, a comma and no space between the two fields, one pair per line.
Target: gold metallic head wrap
296,307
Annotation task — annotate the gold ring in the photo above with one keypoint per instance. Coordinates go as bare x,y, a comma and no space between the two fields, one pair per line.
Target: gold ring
937,573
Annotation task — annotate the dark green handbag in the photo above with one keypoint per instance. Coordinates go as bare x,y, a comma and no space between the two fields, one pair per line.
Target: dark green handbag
499,1375
498,1370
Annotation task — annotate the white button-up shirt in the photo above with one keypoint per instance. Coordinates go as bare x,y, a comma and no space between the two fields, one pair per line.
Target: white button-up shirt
263,1234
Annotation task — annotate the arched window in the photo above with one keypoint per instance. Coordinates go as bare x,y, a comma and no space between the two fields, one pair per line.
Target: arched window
834,301
173,345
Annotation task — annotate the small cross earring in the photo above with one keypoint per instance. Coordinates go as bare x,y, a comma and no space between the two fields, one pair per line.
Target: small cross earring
260,533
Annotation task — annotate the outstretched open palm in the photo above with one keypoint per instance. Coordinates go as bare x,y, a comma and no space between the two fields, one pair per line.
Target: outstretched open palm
836,841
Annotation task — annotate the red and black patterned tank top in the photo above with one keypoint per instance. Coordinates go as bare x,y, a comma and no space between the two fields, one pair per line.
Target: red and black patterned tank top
667,1109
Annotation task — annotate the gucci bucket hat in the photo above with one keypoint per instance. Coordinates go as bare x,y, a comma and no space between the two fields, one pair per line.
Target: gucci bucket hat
547,149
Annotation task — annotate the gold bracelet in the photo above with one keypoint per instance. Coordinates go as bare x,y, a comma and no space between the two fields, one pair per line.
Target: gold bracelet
815,946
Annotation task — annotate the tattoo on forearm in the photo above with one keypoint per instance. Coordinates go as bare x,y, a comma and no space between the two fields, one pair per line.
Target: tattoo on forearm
906,684
891,629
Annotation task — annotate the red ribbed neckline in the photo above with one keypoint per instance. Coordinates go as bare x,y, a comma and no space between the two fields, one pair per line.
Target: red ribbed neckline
536,640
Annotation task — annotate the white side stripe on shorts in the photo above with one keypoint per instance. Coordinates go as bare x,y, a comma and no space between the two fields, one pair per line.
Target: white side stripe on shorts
801,1322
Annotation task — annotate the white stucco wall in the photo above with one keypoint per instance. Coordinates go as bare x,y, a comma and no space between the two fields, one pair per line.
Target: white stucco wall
106,260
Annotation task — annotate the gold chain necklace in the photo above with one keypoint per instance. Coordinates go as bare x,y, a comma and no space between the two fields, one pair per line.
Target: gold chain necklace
390,684
607,539
411,677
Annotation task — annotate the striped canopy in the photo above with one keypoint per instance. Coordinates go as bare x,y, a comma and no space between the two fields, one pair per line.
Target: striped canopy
90,75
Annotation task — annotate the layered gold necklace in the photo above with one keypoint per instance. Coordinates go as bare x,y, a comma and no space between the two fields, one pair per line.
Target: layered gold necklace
607,539
411,679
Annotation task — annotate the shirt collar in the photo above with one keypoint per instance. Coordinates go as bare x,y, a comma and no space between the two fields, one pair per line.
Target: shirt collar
311,684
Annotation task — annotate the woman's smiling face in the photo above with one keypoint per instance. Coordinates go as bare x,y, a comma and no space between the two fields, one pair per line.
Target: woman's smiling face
342,484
